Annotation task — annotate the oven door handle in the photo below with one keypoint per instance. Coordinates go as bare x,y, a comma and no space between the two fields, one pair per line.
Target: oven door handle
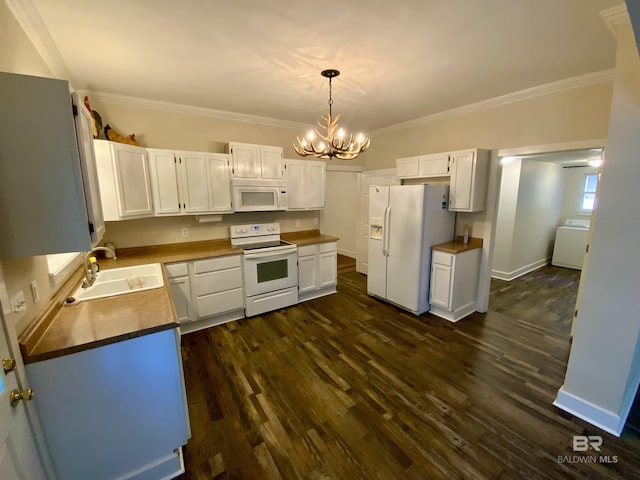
251,256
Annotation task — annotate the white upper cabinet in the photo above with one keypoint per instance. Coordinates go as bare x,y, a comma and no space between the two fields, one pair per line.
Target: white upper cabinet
125,186
468,188
219,175
189,183
423,166
256,161
306,182
467,170
41,178
164,182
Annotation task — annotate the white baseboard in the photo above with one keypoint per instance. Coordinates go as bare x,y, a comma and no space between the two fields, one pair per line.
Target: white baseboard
604,419
348,253
508,276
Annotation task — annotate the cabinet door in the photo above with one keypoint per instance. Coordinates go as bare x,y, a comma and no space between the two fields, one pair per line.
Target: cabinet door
132,180
407,167
328,266
164,182
296,195
89,172
436,165
219,182
315,182
246,160
462,177
272,162
307,273
195,185
181,295
441,286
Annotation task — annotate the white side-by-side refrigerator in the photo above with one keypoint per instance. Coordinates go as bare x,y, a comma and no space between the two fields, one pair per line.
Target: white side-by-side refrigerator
405,221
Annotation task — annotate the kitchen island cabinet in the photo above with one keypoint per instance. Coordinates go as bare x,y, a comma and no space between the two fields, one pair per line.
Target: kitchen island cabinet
116,411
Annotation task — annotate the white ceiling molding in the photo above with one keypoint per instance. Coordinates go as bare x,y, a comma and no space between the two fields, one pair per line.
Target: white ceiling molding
35,29
615,17
594,78
553,147
114,99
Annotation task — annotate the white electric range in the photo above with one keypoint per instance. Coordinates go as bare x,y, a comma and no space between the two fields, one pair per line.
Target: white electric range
270,267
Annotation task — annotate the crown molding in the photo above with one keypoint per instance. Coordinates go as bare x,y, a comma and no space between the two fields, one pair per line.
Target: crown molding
594,78
31,22
616,17
124,100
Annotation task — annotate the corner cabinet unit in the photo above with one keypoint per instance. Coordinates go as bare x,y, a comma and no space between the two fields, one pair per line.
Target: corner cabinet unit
125,186
115,411
306,184
256,161
454,283
48,181
468,187
207,292
189,183
317,270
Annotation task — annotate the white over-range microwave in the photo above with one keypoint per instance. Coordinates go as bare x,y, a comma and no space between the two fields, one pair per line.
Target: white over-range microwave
262,196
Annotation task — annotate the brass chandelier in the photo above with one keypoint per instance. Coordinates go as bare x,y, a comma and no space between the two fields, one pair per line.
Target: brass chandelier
335,142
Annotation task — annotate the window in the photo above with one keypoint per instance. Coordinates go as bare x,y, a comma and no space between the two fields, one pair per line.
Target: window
588,193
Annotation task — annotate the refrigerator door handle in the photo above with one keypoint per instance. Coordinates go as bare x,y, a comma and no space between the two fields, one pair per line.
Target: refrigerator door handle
384,230
386,233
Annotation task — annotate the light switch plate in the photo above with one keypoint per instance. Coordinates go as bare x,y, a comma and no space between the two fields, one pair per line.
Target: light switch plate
34,291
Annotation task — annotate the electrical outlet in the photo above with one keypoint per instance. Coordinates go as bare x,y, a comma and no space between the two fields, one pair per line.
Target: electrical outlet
297,223
34,291
185,232
18,303
315,221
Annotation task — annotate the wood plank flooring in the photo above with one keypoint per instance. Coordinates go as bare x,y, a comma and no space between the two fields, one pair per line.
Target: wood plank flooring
349,387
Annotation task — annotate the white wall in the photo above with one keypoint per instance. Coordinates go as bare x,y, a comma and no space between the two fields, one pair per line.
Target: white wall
529,209
574,180
341,213
602,373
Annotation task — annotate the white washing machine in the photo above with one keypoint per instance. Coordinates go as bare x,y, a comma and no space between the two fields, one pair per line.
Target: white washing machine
571,242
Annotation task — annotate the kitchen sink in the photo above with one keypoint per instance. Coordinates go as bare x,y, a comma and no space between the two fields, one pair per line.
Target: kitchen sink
118,281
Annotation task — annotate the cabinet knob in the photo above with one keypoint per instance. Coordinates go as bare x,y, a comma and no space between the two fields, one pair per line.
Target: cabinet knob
15,396
8,364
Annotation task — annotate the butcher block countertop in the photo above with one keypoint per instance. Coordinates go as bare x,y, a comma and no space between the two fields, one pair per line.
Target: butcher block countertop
63,330
458,246
307,237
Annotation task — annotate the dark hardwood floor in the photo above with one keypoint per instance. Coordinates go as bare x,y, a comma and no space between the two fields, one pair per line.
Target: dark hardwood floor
349,387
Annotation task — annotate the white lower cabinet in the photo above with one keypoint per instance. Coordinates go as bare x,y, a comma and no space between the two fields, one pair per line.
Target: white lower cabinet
317,270
207,292
454,283
115,411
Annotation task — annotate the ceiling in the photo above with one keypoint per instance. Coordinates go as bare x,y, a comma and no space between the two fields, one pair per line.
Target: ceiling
399,60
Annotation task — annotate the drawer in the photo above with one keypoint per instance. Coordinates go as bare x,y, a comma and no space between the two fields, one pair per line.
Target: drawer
328,247
442,258
212,282
217,263
307,250
220,302
177,269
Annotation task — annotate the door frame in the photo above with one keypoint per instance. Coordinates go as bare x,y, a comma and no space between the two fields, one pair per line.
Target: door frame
493,190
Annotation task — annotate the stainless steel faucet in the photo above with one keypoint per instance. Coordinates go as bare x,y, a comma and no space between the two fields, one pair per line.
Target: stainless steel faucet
90,277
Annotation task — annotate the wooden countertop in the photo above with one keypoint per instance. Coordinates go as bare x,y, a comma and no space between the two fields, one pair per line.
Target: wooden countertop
63,330
308,237
458,246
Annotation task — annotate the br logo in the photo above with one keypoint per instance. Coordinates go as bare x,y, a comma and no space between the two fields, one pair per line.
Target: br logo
583,443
